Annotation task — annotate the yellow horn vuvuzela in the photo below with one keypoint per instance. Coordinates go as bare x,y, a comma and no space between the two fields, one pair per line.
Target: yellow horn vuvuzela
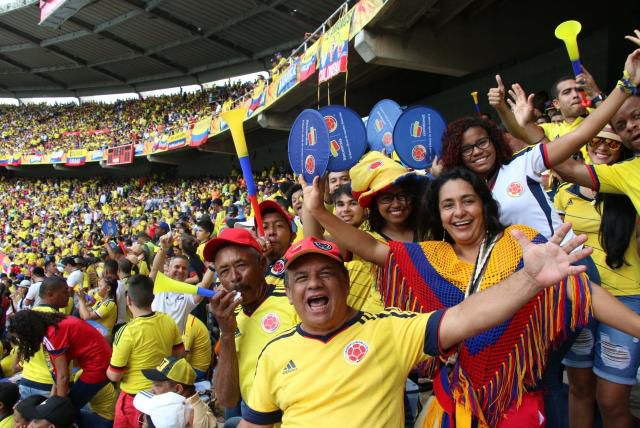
164,284
234,119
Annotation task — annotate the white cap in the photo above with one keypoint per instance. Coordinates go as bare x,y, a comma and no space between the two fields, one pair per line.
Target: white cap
165,410
25,283
248,224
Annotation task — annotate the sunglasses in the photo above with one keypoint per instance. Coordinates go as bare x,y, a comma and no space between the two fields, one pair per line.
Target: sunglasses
595,142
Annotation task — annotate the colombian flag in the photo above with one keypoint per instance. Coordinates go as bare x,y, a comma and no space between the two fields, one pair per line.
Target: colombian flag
200,132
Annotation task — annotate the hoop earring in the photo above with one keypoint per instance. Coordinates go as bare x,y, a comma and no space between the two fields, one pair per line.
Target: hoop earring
444,234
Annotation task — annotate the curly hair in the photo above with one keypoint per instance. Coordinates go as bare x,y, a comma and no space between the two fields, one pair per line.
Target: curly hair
29,328
452,141
431,225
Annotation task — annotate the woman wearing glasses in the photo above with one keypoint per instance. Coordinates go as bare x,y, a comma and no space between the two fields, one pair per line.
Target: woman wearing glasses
609,221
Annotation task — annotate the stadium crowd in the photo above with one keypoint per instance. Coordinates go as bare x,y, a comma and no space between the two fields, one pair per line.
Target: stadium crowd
38,128
127,302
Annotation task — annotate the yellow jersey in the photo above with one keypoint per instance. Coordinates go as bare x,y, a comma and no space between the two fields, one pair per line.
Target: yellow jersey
255,330
103,403
622,177
197,343
363,292
36,369
8,422
585,218
356,373
555,130
142,344
275,275
107,310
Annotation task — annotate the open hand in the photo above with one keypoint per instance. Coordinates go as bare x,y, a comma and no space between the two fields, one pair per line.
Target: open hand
521,105
547,264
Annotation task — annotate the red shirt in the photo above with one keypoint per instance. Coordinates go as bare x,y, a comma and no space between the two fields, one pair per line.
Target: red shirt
83,343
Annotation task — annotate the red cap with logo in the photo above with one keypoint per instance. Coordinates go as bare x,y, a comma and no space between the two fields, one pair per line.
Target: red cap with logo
270,205
312,245
230,236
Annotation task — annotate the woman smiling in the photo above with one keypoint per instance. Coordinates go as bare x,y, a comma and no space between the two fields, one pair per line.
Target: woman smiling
497,369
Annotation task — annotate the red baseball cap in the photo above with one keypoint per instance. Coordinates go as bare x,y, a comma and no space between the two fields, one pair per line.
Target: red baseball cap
230,236
269,205
314,245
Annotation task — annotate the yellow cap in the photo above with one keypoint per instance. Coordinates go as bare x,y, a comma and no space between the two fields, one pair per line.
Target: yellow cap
374,173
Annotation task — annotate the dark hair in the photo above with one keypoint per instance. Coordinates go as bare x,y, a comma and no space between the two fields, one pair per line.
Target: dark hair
50,284
452,141
38,271
125,266
413,188
293,189
28,403
140,290
433,225
113,287
282,201
217,201
206,225
111,266
554,88
344,189
618,222
29,328
9,395
189,244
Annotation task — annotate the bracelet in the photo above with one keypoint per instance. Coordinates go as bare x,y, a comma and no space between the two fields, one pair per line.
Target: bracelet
598,99
626,85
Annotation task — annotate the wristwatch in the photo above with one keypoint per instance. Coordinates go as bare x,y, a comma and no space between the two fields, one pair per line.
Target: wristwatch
598,99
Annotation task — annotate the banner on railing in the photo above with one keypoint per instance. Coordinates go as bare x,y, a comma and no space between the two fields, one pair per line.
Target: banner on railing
96,155
120,155
57,156
288,78
139,149
4,160
363,11
16,159
35,159
77,157
334,49
200,132
177,140
309,62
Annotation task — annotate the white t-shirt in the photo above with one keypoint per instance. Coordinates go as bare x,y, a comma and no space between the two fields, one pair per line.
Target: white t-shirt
521,196
177,305
121,301
75,278
34,294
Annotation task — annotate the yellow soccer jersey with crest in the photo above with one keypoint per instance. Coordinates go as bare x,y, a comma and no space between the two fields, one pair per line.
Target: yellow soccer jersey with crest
275,275
271,318
356,374
622,177
585,218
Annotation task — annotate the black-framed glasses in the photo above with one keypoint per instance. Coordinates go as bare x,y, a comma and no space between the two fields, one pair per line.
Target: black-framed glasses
467,150
596,141
387,198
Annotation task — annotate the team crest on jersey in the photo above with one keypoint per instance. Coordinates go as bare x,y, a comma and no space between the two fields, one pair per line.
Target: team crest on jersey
355,351
323,246
515,189
270,322
278,267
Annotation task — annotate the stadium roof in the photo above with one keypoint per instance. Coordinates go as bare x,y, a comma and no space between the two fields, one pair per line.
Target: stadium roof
113,46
